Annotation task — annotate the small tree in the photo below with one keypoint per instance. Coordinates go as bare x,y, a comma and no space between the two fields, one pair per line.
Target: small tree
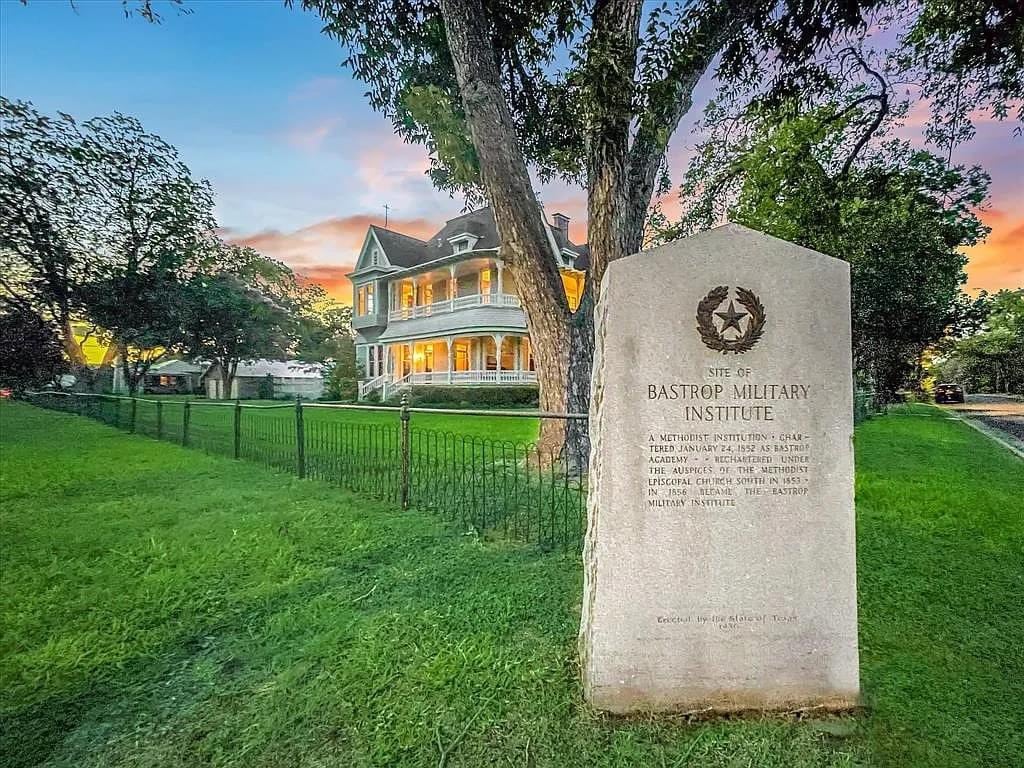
343,378
230,312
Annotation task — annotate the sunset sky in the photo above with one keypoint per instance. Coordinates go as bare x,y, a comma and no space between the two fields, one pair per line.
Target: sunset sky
254,98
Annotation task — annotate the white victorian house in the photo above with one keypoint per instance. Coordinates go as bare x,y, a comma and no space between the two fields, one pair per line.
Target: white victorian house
445,311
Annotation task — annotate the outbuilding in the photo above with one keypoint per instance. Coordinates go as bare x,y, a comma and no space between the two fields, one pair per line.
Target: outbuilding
173,377
263,378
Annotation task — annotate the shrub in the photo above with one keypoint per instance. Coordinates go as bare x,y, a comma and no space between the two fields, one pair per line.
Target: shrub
472,397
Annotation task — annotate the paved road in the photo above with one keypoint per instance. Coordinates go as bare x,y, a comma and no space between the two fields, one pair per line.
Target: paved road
998,411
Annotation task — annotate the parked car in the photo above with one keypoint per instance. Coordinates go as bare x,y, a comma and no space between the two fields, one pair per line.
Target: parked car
949,393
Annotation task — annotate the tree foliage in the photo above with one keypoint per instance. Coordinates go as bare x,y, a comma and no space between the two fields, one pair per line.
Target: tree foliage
237,309
101,220
30,350
991,359
898,216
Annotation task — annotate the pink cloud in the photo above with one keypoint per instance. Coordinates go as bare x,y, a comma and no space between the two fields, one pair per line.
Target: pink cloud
325,251
310,137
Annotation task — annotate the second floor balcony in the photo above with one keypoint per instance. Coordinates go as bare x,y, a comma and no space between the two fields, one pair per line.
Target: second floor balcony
454,304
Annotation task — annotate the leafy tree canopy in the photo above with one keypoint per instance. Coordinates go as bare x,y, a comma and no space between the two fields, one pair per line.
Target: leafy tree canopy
899,216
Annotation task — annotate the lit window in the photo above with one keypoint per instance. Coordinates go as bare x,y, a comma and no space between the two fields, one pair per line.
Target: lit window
573,285
508,354
361,301
408,295
369,299
462,356
485,281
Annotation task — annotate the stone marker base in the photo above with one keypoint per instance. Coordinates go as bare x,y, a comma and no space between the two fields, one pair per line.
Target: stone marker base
623,701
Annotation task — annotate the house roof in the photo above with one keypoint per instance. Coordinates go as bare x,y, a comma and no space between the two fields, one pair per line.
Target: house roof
279,369
404,251
175,368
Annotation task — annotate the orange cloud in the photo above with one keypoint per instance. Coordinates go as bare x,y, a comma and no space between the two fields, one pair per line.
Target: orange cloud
332,279
325,251
999,261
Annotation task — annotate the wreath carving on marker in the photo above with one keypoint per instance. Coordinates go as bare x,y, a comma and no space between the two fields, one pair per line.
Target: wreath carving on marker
713,338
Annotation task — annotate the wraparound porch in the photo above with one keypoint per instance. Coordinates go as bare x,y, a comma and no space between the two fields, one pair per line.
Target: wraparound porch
459,360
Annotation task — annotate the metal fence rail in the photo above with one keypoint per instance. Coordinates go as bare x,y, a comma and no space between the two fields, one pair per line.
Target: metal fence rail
496,487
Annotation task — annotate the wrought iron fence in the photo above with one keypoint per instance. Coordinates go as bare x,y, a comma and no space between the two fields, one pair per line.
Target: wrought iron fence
496,487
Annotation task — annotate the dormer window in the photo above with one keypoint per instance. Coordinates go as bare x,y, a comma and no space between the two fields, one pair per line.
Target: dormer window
464,241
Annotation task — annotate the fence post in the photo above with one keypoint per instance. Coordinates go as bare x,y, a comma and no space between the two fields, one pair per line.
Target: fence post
404,416
134,405
159,419
300,439
238,428
186,417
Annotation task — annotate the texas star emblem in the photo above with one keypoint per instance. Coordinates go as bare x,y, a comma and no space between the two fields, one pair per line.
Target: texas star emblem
725,328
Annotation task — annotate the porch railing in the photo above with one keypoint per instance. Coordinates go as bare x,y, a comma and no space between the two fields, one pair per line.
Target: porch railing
390,387
370,385
452,305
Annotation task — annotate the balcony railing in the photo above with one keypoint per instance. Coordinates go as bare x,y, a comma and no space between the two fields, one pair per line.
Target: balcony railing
452,305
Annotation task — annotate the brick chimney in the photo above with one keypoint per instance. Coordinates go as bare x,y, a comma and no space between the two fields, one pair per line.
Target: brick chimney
562,223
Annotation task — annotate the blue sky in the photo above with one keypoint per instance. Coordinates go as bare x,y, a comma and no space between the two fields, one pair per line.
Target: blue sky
254,98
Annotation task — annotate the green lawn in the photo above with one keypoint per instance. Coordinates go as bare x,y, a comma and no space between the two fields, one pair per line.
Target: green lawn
516,429
162,607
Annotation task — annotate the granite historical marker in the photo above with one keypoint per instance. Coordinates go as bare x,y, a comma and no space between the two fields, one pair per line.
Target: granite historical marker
719,561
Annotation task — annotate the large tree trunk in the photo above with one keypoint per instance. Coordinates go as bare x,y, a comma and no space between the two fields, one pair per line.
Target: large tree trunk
624,154
71,346
525,246
621,180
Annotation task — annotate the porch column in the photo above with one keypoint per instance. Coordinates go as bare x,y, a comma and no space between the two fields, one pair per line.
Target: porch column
448,345
498,338
412,358
500,266
452,287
